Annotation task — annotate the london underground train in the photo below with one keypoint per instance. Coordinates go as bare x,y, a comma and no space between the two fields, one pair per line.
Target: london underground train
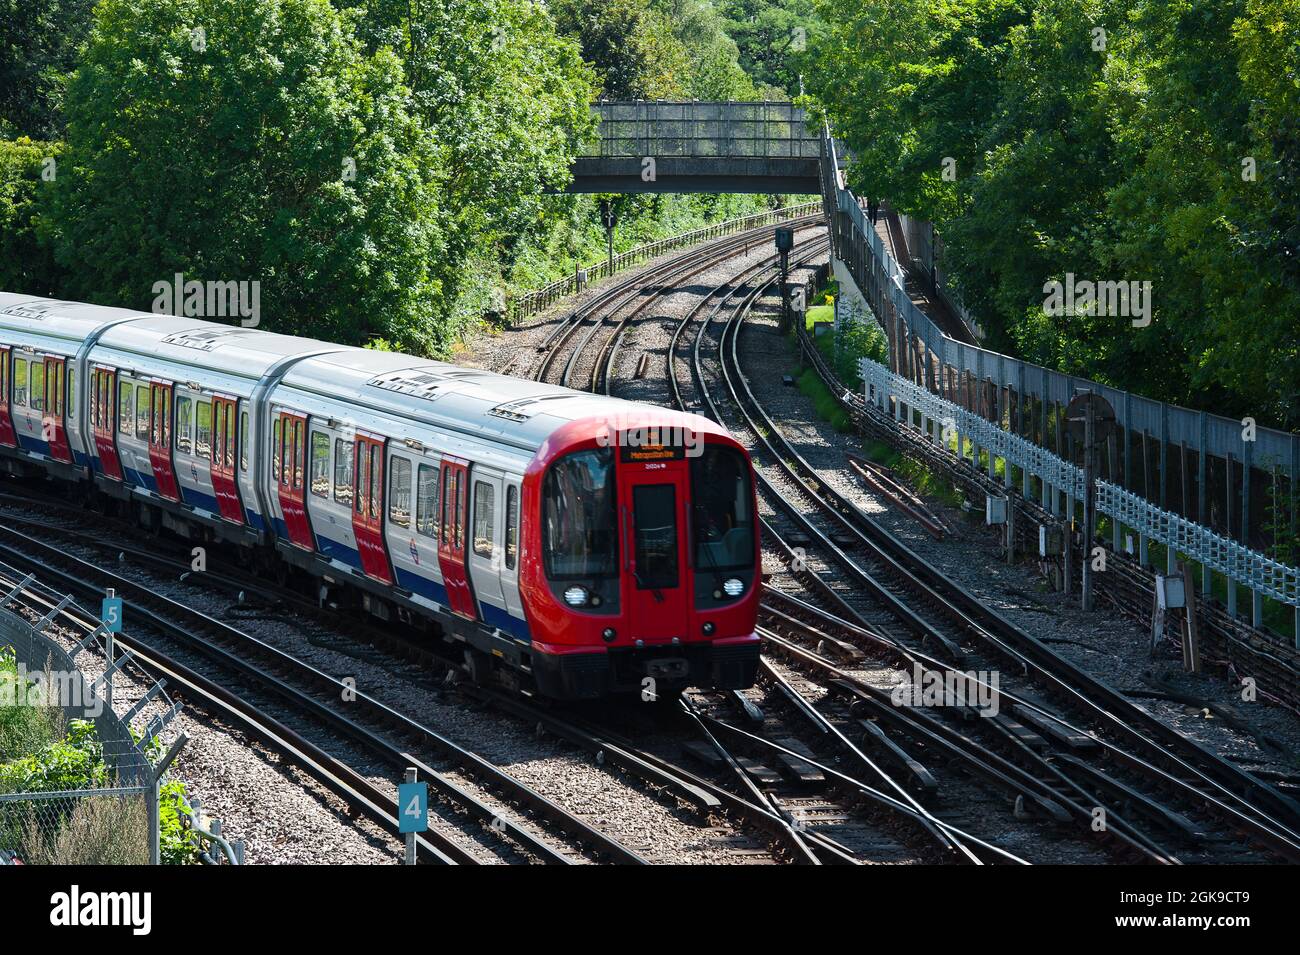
560,542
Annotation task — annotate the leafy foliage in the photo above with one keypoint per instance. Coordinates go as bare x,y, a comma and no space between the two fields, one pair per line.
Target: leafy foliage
775,38
225,157
26,251
74,762
39,40
1103,140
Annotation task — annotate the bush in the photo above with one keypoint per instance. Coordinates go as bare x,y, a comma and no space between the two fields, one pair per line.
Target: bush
100,830
23,729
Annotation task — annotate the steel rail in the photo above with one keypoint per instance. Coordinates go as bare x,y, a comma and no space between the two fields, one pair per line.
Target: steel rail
349,785
471,762
1004,637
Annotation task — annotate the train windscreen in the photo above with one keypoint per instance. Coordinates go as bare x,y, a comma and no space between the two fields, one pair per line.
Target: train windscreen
579,516
721,507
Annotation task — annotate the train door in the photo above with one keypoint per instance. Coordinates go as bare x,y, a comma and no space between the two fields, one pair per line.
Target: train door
8,437
484,552
652,513
103,406
452,537
160,439
290,434
368,506
54,430
510,551
225,434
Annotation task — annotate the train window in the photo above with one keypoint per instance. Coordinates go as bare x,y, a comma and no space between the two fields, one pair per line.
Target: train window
376,482
580,517
448,506
20,382
184,424
203,429
230,436
243,441
38,386
654,518
218,434
142,413
72,391
320,464
512,526
163,414
343,471
298,452
484,517
4,377
275,450
426,502
362,474
399,492
722,522
288,438
125,406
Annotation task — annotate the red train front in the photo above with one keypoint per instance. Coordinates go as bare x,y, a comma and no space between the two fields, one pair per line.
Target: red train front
643,571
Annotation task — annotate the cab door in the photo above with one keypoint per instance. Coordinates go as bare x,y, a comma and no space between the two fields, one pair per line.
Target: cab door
652,515
368,506
160,439
8,437
53,428
453,537
225,433
103,420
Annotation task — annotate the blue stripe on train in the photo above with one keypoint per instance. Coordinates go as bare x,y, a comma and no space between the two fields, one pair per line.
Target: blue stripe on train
34,445
196,498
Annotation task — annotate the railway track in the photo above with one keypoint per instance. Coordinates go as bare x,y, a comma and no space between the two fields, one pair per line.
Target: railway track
568,347
813,803
504,816
887,592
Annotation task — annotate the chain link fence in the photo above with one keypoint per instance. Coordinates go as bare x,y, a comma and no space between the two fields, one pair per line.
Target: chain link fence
78,786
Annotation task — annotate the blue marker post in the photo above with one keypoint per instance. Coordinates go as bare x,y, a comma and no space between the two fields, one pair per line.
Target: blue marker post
412,811
110,615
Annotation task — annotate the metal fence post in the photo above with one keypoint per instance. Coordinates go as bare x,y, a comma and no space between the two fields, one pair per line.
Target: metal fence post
154,789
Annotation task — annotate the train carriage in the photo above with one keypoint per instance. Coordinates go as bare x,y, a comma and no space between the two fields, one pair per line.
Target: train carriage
571,544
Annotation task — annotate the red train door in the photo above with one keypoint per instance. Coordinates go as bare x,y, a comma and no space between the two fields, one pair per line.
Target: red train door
53,431
291,432
103,420
652,514
225,433
160,439
8,437
453,536
368,506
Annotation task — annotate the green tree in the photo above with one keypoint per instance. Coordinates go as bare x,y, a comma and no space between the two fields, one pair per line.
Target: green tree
1104,140
775,39
39,40
506,96
632,46
254,140
28,171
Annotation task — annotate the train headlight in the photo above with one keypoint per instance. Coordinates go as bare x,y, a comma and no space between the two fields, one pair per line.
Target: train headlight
576,596
733,587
